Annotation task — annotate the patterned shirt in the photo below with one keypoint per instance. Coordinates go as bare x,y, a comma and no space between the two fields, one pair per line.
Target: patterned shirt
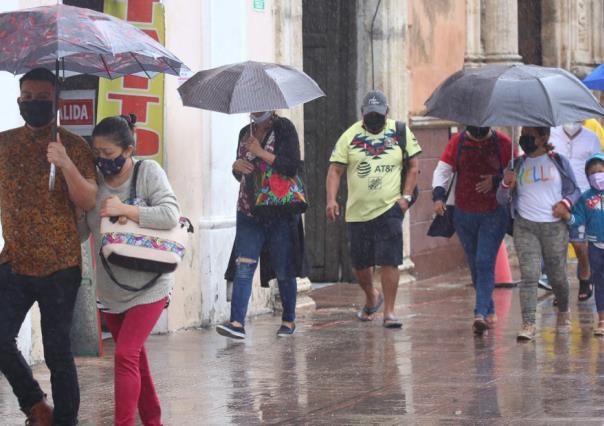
39,225
247,189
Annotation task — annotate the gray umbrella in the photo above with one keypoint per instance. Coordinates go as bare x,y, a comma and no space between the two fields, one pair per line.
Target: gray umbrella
513,95
249,87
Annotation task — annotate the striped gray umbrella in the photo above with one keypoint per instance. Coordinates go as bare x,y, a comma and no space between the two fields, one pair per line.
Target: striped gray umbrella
249,87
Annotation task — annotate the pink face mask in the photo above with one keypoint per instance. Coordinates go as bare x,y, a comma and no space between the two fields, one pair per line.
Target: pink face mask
596,180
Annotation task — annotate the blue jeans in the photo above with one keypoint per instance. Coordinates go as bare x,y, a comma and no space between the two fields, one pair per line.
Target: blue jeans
251,235
481,235
596,263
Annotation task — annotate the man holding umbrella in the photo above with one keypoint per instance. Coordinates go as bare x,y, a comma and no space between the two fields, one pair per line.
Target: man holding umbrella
370,153
41,258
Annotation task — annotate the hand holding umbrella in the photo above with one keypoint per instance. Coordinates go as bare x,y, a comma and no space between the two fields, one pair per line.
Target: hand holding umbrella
57,155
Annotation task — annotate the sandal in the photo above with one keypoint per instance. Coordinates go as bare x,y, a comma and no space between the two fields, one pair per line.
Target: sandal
599,330
392,322
585,290
370,311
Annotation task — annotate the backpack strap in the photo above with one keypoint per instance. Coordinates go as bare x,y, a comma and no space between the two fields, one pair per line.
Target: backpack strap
401,136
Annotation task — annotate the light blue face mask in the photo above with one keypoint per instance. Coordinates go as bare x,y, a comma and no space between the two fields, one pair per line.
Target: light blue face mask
259,119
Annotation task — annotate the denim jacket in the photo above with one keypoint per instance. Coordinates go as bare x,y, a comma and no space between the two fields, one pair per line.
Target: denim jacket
570,190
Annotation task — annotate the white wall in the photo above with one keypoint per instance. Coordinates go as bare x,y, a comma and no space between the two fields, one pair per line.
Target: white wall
201,149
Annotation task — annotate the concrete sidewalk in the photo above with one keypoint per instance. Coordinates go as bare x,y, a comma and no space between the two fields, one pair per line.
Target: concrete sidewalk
339,371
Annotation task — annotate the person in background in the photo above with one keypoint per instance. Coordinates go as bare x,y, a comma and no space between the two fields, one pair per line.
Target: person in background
269,144
477,157
578,144
541,188
589,211
368,152
595,126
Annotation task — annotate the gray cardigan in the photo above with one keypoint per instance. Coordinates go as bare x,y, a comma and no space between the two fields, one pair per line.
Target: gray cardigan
570,189
163,213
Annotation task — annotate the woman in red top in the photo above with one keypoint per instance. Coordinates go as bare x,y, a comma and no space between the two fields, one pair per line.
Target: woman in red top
475,158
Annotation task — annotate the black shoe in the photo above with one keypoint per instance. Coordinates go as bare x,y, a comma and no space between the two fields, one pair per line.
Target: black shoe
229,330
285,331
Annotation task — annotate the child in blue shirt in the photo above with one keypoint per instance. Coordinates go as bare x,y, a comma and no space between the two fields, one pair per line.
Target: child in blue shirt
589,211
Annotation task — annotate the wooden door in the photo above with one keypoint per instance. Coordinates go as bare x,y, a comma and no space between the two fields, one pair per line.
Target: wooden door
329,41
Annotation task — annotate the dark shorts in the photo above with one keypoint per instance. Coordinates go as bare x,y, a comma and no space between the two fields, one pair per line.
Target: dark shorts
378,241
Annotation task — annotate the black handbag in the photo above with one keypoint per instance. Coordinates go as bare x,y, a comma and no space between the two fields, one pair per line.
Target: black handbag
442,226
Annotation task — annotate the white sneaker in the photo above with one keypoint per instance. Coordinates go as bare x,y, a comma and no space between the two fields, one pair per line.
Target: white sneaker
527,332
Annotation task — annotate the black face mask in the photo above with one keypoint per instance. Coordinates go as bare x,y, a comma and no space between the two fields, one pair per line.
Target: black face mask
36,113
374,122
528,144
478,132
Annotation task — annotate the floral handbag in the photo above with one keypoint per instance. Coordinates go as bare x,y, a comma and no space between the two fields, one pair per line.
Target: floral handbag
276,191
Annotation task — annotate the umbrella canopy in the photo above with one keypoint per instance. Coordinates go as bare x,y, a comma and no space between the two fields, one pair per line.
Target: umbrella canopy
513,95
249,87
595,80
83,41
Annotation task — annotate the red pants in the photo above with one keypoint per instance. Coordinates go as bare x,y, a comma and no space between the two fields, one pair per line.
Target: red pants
133,382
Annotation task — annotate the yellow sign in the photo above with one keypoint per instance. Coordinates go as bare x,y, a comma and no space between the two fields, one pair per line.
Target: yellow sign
138,95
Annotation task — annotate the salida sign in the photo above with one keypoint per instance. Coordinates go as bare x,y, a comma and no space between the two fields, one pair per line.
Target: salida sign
77,111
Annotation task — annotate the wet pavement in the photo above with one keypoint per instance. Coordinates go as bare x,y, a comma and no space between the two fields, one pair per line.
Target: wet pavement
338,371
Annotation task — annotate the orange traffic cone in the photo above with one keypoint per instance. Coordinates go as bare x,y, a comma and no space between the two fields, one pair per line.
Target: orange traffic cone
503,273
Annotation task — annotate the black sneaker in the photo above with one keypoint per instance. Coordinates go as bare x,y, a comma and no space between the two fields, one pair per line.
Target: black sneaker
229,330
285,331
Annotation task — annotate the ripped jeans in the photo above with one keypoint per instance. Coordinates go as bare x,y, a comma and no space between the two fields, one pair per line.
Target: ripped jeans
251,234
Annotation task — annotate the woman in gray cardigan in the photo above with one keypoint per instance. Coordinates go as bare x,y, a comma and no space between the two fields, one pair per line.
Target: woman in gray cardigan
541,186
131,315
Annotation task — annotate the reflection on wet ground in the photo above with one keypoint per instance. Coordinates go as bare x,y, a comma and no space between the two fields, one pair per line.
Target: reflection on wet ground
338,371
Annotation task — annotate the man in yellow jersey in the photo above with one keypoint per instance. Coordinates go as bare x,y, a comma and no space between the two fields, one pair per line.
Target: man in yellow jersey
370,153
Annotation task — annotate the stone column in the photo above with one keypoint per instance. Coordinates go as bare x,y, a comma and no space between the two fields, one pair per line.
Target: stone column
474,56
391,74
583,37
555,37
287,16
499,29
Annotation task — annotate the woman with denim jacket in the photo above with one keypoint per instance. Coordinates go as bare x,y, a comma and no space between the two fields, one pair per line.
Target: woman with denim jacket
541,188
269,142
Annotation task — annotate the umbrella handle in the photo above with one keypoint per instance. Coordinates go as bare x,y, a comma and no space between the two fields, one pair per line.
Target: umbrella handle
55,127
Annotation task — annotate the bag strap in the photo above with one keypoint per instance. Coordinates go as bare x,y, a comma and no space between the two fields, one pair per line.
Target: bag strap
401,133
107,268
457,158
137,167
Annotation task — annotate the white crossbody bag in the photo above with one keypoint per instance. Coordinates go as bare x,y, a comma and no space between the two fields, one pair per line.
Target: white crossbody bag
142,249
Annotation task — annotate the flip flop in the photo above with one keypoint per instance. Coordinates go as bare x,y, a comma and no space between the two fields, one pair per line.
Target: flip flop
392,322
370,311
